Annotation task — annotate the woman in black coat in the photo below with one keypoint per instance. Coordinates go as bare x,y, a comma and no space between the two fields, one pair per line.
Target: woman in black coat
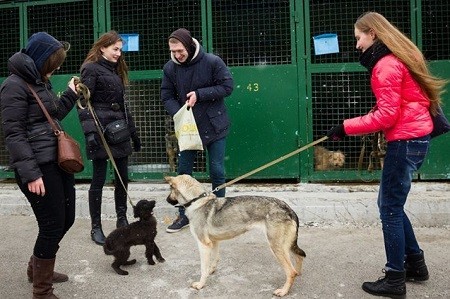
105,73
32,146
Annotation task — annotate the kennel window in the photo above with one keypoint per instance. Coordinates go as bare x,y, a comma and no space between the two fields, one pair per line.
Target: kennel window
154,21
262,39
338,96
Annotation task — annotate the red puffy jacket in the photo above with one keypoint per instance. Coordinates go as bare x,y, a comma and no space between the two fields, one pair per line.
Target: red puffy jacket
402,109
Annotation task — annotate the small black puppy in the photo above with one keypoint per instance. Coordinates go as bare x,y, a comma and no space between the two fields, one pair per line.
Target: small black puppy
141,232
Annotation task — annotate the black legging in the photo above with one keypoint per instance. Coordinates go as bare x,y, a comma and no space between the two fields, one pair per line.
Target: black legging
55,211
99,173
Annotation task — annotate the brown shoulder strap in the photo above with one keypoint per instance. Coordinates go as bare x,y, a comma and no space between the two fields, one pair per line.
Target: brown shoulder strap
49,118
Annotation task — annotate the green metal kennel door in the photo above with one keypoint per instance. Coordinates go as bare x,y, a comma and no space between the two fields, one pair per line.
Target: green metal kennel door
434,36
340,88
257,41
20,20
285,94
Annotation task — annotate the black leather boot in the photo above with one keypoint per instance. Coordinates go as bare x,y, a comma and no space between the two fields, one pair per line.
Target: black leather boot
391,285
415,267
95,208
120,199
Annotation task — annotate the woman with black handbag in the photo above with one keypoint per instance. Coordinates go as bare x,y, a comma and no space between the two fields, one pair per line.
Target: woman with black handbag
32,146
105,74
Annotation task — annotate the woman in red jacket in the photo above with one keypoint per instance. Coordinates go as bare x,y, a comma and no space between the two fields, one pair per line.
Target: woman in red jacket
406,93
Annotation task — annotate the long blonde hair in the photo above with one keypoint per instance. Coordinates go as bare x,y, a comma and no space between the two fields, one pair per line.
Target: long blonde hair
105,40
405,50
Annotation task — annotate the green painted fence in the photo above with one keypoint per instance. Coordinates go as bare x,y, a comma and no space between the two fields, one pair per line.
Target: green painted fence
285,94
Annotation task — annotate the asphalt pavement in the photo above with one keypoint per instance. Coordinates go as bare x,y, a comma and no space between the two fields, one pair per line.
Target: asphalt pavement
339,231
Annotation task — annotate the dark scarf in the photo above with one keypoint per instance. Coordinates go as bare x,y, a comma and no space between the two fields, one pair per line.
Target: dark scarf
373,54
191,52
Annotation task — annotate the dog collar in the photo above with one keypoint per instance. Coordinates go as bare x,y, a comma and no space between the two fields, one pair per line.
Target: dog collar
204,194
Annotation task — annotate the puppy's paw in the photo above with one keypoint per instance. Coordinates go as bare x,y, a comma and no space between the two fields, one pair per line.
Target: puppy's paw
121,272
197,285
130,262
280,292
161,260
151,262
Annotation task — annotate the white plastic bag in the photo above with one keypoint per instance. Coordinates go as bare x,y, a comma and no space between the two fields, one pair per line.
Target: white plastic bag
186,130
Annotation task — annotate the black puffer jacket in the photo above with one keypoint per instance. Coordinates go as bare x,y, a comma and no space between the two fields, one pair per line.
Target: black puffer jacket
28,135
108,100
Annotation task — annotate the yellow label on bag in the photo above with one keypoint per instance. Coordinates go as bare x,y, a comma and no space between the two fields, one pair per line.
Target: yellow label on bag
186,130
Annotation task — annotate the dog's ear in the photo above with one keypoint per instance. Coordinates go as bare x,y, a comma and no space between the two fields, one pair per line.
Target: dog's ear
168,178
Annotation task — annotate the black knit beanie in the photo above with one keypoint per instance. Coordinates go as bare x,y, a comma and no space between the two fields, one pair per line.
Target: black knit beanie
184,36
41,46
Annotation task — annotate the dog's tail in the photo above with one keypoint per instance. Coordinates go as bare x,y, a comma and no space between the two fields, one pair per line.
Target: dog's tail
294,247
299,255
297,250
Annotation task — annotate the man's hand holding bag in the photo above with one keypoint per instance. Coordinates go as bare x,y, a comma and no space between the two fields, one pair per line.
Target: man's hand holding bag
186,130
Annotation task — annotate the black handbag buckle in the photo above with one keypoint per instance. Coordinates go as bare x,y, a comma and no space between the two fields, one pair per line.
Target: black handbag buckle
115,106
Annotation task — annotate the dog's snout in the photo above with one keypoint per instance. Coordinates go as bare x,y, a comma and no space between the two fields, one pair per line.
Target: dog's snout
171,201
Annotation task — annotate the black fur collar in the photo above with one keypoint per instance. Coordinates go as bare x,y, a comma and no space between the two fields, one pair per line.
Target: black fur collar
373,54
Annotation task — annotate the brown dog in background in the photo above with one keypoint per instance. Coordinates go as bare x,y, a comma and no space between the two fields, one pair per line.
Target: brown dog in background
325,159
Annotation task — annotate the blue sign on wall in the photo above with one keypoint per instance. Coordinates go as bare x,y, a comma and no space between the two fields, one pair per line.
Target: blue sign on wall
130,42
326,44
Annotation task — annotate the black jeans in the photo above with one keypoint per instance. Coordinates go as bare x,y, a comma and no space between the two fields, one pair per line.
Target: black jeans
99,173
55,211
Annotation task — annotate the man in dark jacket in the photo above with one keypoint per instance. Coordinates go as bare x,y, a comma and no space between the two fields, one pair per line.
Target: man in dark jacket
201,80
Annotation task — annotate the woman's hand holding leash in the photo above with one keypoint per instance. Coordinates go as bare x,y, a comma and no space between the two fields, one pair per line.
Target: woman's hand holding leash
337,133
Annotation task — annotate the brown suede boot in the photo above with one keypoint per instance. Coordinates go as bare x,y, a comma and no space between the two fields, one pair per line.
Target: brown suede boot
42,278
57,277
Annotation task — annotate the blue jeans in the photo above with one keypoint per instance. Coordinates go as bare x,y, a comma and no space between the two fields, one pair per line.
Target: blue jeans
216,160
402,159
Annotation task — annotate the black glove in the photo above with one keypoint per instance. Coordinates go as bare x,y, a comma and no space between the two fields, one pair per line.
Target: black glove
92,141
336,133
136,143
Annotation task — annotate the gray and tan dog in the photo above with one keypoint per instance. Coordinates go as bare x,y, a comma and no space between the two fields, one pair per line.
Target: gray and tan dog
215,219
